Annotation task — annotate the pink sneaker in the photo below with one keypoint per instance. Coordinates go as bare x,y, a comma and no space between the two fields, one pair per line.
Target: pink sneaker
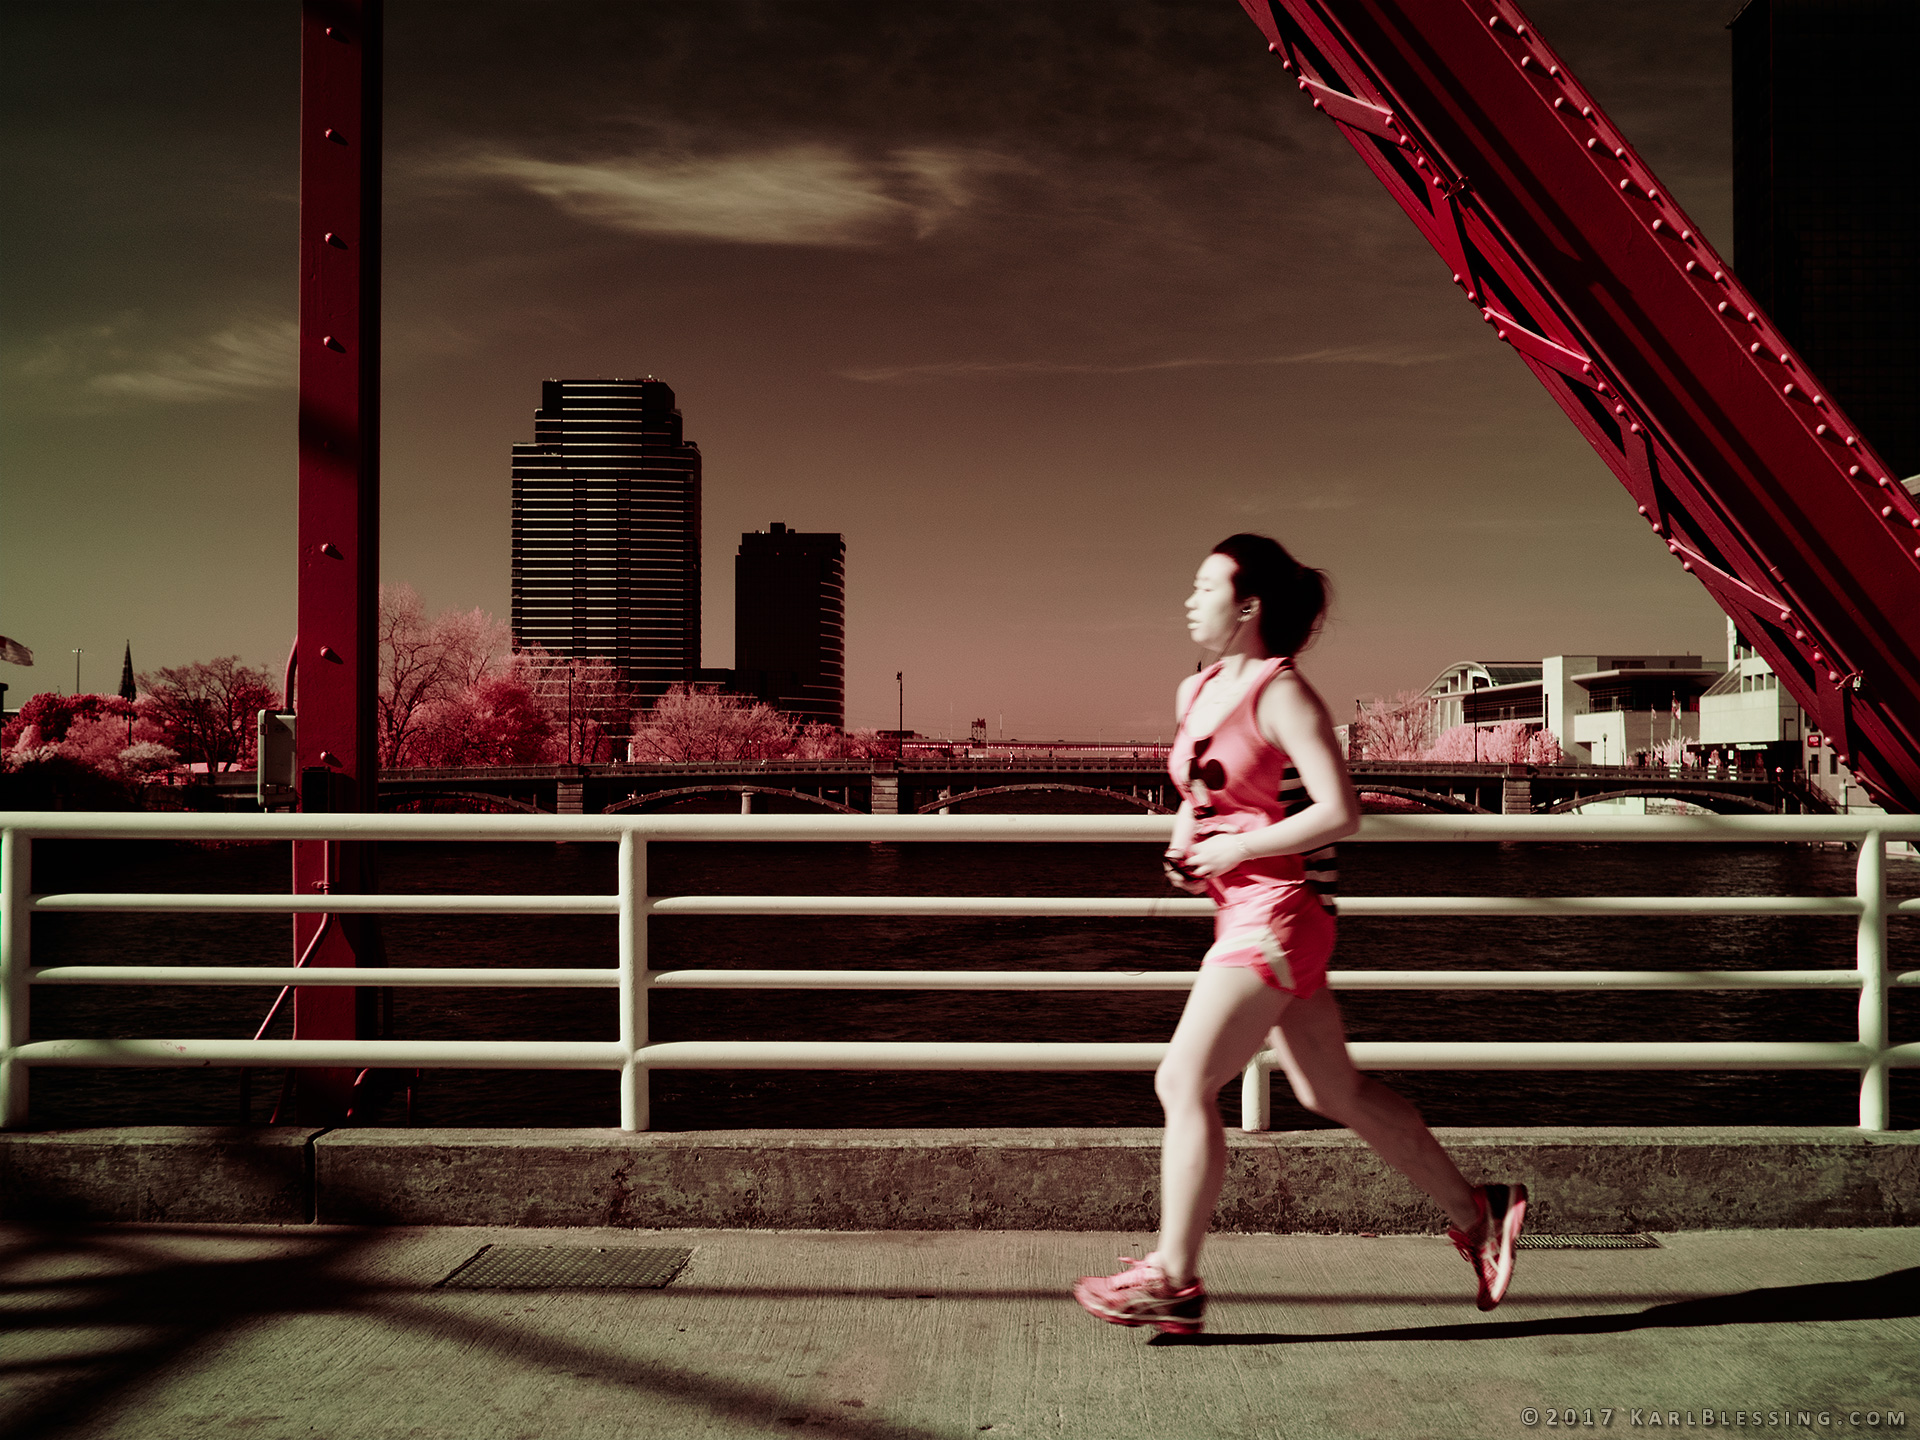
1489,1249
1141,1295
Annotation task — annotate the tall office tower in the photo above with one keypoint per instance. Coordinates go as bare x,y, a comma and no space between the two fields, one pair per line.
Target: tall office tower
790,622
606,531
1826,217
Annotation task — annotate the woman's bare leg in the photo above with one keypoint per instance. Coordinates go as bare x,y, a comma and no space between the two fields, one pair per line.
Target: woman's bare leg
1228,1012
1311,1043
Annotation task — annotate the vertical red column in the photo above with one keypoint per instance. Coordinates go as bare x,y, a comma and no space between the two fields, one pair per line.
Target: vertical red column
336,658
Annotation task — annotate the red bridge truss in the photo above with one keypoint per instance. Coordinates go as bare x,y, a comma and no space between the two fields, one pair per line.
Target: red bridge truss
1578,257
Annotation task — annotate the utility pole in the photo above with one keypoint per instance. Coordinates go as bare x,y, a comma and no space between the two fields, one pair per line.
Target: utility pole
76,671
900,679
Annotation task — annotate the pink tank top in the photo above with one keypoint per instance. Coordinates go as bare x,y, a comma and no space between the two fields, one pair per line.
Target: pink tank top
1238,780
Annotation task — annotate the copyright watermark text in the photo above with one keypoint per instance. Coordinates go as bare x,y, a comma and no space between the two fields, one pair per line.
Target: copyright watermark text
1646,1417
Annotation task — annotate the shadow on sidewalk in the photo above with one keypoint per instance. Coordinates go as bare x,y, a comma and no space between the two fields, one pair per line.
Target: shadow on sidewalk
1895,1295
98,1320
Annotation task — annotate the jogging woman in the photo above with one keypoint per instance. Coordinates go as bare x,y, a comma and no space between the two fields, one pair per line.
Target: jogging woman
1266,794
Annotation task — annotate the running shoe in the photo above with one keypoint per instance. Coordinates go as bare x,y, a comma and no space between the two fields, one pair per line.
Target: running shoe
1489,1247
1141,1295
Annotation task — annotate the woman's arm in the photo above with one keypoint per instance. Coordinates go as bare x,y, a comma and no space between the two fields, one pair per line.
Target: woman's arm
1293,717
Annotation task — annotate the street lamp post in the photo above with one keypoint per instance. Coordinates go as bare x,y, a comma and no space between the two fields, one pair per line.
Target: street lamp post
900,679
76,671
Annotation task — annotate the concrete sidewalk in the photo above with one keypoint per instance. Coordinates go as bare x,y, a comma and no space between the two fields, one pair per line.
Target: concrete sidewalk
317,1331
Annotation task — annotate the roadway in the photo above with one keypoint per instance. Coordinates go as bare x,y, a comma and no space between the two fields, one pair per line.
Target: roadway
305,1331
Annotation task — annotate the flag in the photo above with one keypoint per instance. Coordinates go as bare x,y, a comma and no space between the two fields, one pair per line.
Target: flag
14,651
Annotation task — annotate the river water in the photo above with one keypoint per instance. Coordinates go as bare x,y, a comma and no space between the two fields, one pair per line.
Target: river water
719,1100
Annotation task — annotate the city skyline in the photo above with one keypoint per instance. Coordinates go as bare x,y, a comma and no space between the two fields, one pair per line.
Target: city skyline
1033,304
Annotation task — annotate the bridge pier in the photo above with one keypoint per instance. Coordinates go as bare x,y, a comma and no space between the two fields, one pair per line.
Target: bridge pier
1516,796
568,797
886,792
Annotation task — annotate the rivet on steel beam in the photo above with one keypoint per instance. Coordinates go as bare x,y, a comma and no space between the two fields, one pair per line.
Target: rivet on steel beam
1852,470
1303,83
1273,49
1819,399
328,549
1587,111
1785,617
1500,334
1754,348
1641,508
1520,30
1692,265
1526,62
1818,658
327,652
1659,225
1834,676
333,344
1883,482
1287,65
1753,317
1318,106
1687,565
1559,103
1785,359
1687,235
1653,195
1593,144
1720,277
1588,370
1619,152
329,757
1493,22
1554,70
1787,389
1634,427
1626,184
1798,634
335,136
1886,512
1672,549
1619,409
1820,429
1721,307
335,241
1851,442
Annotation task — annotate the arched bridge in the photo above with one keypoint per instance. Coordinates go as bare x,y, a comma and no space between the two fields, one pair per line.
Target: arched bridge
925,785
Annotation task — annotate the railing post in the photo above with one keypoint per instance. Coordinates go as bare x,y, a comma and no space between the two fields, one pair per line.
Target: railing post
1256,1094
16,883
633,981
1871,956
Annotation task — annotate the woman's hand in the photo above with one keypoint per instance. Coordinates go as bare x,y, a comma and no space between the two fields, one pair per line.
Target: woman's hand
1216,855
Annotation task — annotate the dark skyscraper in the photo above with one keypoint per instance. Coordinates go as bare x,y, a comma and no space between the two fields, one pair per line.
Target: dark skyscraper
1826,216
789,626
606,531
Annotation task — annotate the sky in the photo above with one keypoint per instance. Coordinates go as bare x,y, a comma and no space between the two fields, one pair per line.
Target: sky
1032,300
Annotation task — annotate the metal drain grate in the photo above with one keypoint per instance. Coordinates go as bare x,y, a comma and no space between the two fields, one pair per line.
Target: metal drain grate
567,1267
1588,1242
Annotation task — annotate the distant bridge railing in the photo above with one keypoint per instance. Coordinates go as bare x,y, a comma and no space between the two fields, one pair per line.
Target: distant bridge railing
1871,1055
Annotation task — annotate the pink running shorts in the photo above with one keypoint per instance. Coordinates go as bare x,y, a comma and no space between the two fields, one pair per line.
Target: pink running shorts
1280,932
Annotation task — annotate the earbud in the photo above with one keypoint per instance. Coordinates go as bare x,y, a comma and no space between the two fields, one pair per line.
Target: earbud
1246,613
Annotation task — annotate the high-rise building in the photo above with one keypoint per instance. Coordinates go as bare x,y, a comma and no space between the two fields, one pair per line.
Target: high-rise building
606,531
1826,217
789,622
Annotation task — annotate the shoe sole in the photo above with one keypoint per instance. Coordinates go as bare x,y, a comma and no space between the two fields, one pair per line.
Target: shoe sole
1166,1325
1511,1223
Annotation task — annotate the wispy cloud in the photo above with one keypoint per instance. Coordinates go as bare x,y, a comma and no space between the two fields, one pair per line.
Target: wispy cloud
1394,355
115,362
812,194
233,363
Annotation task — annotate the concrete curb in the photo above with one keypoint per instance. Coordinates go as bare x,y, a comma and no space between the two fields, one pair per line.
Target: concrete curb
1583,1180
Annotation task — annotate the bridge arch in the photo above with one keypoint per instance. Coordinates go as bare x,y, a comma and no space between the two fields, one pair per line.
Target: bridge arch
1717,801
634,802
1432,799
1152,807
476,797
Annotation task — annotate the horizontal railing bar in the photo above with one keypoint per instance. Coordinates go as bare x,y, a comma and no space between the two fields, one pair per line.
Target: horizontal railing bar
449,977
385,1054
903,1055
500,977
948,828
930,906
108,901
1182,907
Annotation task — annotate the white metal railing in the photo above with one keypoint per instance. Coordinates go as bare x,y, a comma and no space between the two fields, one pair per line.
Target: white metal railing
633,1056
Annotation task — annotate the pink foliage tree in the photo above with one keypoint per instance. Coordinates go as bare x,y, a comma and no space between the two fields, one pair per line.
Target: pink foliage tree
495,721
426,664
206,710
1511,742
1396,728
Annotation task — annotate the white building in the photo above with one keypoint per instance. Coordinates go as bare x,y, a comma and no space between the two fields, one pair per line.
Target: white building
1603,709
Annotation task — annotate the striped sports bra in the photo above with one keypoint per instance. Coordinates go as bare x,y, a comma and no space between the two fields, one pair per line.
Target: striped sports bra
1238,780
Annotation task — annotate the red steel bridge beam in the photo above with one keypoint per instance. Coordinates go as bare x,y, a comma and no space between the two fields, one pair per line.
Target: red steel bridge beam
335,653
1578,257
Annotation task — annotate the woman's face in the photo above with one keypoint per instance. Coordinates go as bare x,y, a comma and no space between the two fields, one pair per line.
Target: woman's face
1212,612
